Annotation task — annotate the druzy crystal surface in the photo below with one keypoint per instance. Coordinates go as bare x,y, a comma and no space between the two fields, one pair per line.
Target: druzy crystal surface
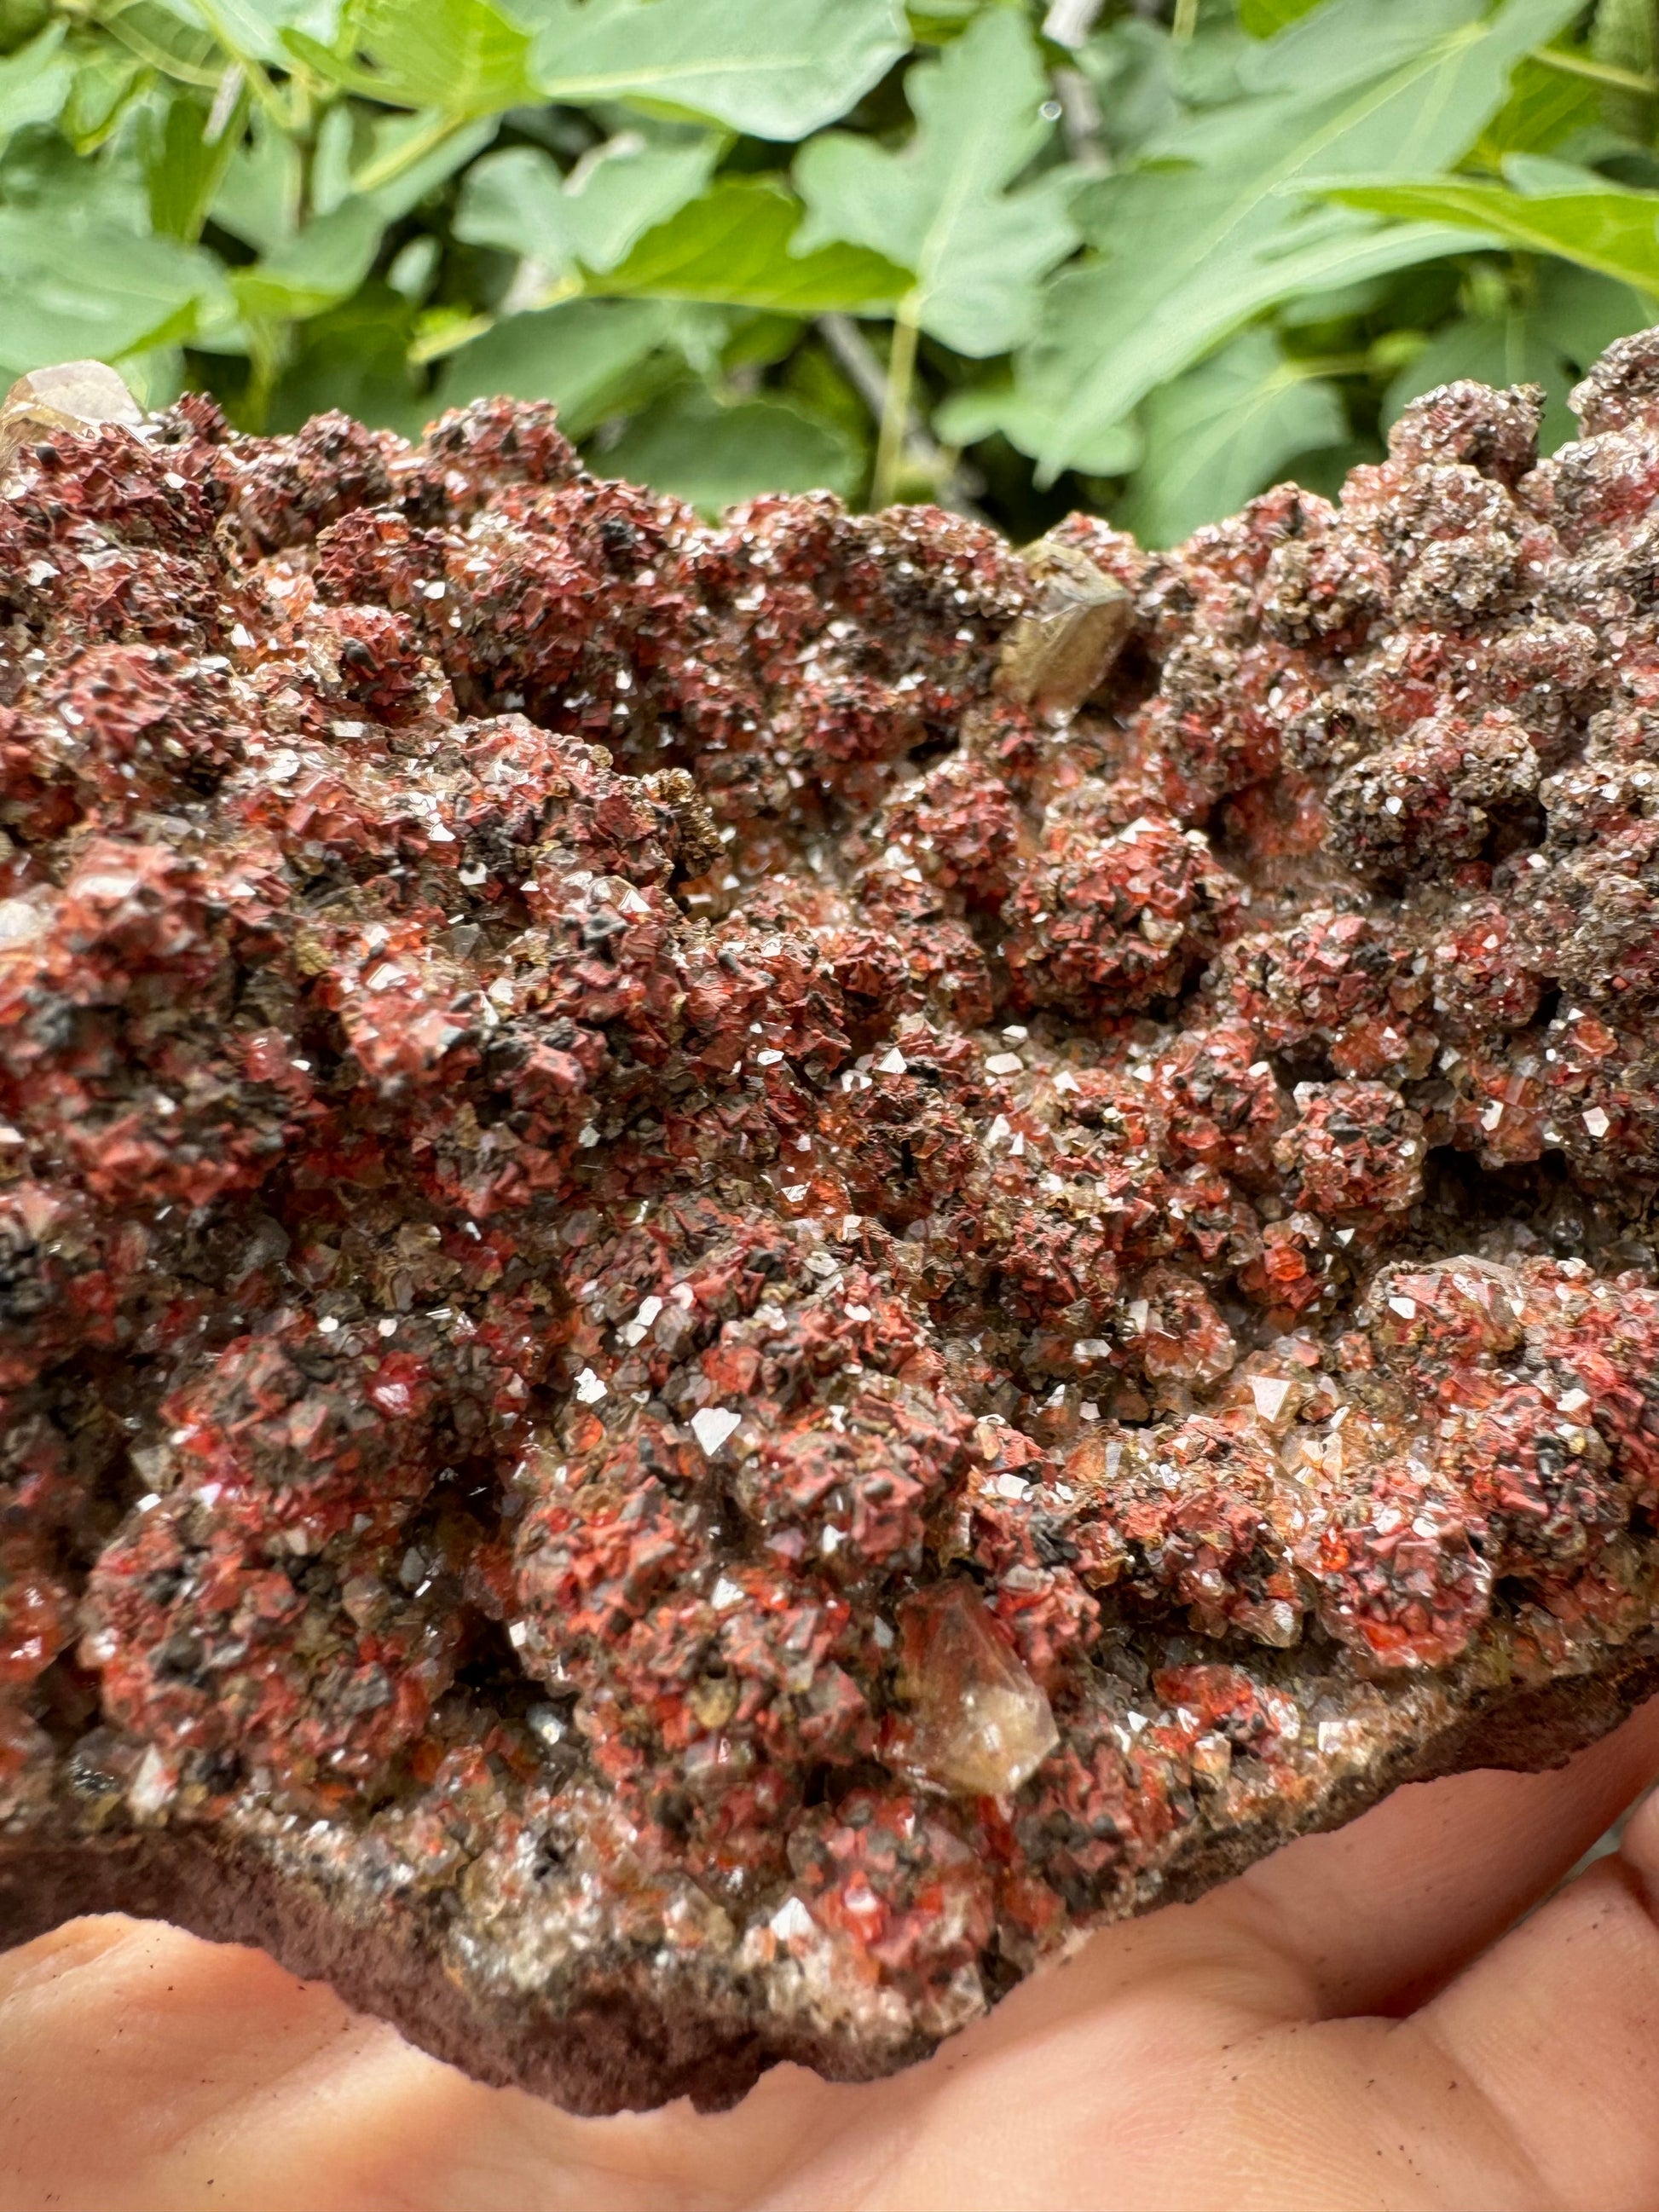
743,1268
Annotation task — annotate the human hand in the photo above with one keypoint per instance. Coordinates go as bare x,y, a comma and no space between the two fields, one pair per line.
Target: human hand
1341,2028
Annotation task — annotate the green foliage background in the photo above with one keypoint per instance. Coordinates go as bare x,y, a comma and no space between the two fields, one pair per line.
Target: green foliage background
1015,255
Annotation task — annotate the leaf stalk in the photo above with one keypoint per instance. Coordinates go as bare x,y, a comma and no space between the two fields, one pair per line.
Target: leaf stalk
1594,72
389,165
896,404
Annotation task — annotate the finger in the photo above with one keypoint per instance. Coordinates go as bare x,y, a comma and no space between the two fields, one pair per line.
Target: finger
1556,2030
139,2068
1377,1913
130,2054
233,2086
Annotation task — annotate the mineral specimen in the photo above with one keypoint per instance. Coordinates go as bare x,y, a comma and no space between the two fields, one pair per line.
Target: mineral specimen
744,1267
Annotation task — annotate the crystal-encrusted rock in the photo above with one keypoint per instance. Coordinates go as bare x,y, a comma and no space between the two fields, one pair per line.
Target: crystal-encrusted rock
743,1268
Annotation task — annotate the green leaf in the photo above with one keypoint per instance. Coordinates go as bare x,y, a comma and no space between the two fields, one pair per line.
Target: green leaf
252,29
1342,303
259,198
1188,255
183,168
592,358
1224,431
353,356
104,81
1499,350
1133,68
42,174
1002,410
739,246
34,83
319,266
1082,390
414,266
1264,19
413,154
405,156
1613,231
1209,68
936,22
942,206
517,201
774,69
1542,177
1545,106
461,57
81,291
712,456
1626,35
1581,313
338,146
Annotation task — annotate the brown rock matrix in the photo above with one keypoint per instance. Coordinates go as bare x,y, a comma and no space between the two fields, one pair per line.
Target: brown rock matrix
743,1268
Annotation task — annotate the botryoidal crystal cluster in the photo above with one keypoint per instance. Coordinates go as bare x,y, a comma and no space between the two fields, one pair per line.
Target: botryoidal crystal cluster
744,1267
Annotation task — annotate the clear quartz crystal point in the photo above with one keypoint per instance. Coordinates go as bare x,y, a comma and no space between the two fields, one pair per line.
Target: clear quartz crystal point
980,1724
73,395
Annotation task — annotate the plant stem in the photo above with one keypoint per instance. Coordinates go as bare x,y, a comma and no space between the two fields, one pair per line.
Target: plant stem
1595,72
954,485
856,359
253,72
414,148
262,369
1081,121
158,59
895,406
1068,22
1185,23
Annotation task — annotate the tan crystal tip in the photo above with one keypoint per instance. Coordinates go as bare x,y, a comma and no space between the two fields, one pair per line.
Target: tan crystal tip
71,395
978,1724
1063,647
